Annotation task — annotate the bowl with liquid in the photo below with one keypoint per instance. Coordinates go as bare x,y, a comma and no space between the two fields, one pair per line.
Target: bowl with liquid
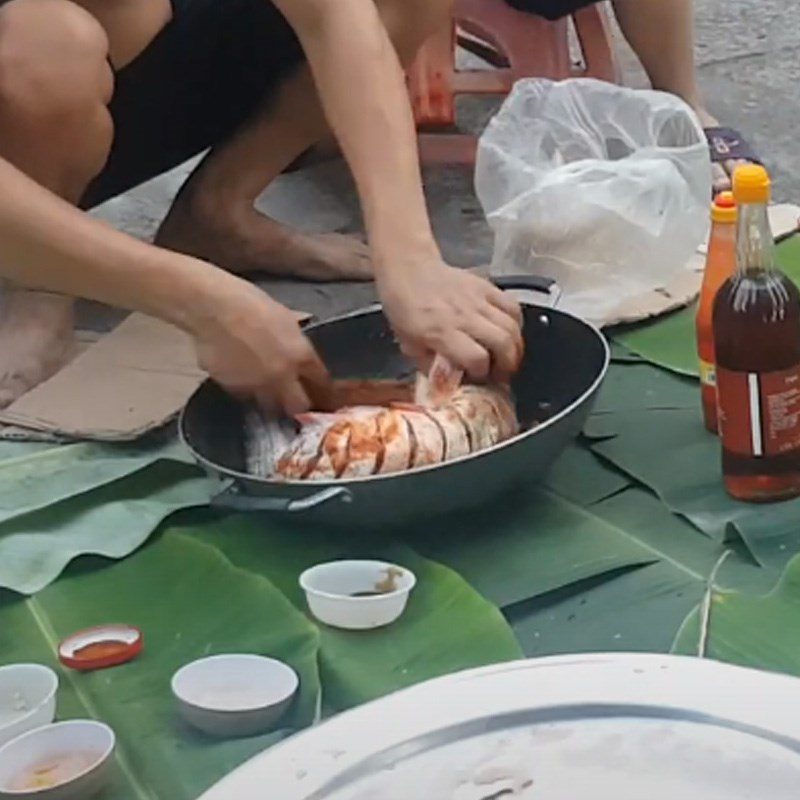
357,594
234,695
63,761
27,699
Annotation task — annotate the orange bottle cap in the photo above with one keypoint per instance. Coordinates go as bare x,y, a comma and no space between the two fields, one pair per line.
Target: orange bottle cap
751,184
101,647
724,208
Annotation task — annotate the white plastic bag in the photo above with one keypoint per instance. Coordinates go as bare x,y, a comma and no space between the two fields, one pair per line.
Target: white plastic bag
603,188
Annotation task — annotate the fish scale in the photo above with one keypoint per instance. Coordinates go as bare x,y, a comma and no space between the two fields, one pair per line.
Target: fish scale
357,443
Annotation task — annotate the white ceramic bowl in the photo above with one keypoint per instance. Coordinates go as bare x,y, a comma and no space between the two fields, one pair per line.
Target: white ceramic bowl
27,699
339,593
234,695
91,742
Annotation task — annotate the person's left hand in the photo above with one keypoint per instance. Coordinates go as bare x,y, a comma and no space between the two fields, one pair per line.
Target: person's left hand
437,309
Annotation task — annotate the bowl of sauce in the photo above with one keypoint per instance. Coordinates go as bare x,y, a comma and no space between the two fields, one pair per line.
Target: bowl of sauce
63,761
357,594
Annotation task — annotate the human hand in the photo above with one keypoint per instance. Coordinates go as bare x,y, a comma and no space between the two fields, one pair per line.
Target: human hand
254,348
437,309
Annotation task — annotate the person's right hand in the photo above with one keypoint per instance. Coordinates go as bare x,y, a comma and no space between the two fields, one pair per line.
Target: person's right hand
436,309
254,348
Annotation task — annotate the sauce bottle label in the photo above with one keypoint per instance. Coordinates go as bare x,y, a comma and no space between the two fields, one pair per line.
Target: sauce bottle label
759,413
708,374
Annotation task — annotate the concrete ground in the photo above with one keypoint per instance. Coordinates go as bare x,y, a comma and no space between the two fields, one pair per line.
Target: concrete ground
749,63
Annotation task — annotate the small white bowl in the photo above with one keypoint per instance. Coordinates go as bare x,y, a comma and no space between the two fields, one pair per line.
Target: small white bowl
27,699
234,695
90,743
357,595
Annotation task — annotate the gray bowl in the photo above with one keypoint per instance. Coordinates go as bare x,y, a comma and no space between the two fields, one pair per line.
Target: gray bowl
232,696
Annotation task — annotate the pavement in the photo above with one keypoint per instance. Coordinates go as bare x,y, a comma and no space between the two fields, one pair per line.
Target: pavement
748,54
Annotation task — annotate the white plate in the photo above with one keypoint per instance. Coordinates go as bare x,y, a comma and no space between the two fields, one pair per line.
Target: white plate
567,728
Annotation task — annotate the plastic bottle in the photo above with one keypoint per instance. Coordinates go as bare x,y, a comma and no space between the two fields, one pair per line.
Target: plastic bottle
757,346
720,265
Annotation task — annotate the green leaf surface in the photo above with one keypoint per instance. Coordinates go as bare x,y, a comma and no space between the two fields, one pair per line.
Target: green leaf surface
190,602
680,543
41,477
642,387
540,543
582,478
10,448
753,631
447,625
633,611
621,355
535,543
673,454
112,521
637,388
670,341
639,608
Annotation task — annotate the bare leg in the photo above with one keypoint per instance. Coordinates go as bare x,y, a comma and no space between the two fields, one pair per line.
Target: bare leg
55,86
214,215
661,33
54,125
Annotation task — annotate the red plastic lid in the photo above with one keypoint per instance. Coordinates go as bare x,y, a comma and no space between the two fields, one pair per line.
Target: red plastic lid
101,647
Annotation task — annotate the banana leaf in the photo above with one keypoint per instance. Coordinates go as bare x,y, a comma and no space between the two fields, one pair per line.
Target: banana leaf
538,542
112,520
621,355
447,626
788,256
753,631
533,542
15,449
40,477
189,601
581,477
638,388
635,608
688,479
642,387
670,341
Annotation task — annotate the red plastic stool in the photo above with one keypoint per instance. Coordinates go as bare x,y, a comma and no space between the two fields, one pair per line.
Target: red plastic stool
519,44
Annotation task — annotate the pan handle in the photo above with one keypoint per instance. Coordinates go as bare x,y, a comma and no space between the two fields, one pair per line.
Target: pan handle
530,283
231,499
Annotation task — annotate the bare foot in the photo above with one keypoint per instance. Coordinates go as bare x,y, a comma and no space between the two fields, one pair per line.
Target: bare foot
245,240
721,174
36,339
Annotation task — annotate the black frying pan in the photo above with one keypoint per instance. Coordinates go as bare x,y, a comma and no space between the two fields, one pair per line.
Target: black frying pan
565,362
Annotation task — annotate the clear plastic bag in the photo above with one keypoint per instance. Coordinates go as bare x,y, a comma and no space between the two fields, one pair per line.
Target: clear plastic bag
603,188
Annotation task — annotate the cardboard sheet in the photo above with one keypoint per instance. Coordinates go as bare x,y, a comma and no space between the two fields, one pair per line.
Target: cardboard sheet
131,381
784,219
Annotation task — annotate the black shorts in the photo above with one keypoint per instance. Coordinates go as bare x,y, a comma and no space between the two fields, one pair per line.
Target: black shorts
551,9
210,69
